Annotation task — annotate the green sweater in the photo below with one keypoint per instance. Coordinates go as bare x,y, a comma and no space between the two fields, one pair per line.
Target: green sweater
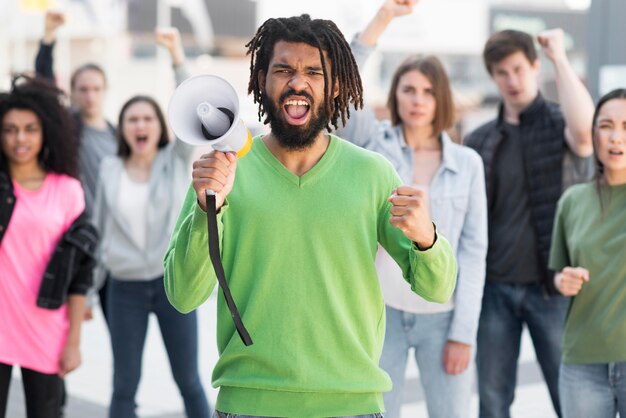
592,236
298,253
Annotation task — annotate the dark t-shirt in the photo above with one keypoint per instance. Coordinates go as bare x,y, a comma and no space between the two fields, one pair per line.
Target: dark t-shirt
512,256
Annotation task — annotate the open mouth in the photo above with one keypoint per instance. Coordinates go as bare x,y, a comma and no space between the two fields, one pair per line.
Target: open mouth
296,111
142,139
21,150
616,152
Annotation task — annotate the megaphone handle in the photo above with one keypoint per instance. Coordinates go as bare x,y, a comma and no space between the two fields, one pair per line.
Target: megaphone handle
216,260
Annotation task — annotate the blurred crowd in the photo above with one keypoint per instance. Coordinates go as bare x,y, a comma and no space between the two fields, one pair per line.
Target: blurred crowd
348,241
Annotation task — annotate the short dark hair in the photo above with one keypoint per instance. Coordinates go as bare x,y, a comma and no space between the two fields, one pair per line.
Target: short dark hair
86,67
323,35
507,42
123,150
59,151
433,70
619,94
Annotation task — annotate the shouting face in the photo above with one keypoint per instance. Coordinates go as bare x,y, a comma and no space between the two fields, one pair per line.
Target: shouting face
293,94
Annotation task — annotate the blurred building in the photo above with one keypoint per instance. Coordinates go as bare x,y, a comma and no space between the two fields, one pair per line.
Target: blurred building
118,34
607,55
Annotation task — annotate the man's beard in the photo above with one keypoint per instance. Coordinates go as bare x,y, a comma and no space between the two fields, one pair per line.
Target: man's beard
294,137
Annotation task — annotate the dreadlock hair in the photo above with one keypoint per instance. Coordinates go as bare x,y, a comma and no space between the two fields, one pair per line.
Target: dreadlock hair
323,35
59,151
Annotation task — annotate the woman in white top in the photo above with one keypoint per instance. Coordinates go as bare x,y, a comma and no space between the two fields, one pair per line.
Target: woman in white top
451,176
139,195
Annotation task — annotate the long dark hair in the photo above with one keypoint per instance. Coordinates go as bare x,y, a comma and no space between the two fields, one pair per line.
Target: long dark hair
59,151
323,35
123,150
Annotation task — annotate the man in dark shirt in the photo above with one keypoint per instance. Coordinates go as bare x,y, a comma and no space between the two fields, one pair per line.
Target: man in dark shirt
531,151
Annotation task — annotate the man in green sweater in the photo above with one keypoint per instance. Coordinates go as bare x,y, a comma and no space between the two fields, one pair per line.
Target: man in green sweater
299,230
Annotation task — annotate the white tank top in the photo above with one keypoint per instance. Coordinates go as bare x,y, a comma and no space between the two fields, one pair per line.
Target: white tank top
132,205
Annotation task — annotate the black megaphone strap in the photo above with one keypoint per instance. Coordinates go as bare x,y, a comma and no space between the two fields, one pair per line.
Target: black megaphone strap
216,260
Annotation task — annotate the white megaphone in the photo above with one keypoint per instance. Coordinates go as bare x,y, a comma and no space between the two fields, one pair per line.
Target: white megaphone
204,110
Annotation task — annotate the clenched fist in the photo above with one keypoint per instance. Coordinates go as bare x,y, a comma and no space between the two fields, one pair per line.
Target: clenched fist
214,171
570,280
53,21
169,37
552,44
409,213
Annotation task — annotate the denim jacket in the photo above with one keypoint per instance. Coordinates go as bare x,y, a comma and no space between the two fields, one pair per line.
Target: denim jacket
70,269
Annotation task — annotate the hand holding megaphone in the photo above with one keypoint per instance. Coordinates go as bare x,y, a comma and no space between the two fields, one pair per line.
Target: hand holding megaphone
214,172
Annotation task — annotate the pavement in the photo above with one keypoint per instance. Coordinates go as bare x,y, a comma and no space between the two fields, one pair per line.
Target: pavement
89,387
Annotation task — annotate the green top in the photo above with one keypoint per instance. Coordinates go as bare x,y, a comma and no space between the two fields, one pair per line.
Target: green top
298,253
587,234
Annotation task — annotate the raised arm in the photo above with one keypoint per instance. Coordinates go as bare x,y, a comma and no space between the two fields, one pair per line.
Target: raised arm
362,128
170,39
574,98
387,12
44,61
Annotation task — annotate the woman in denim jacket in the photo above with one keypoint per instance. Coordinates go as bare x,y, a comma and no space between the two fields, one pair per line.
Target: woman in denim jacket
451,176
42,199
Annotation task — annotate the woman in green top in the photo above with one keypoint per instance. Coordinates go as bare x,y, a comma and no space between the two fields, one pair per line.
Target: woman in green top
588,244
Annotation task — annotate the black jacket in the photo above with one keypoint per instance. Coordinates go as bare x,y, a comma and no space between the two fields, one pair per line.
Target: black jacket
70,270
542,128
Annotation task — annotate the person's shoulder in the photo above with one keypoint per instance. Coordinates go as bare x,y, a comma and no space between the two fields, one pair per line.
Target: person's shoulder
475,137
72,190
553,111
64,180
355,152
467,156
110,162
578,193
463,151
553,107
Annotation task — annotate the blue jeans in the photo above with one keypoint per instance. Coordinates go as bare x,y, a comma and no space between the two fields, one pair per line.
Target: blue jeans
219,414
506,308
593,390
129,305
447,396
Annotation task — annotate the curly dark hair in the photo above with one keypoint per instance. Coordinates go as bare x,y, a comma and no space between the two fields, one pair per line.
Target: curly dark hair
123,150
323,35
59,151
